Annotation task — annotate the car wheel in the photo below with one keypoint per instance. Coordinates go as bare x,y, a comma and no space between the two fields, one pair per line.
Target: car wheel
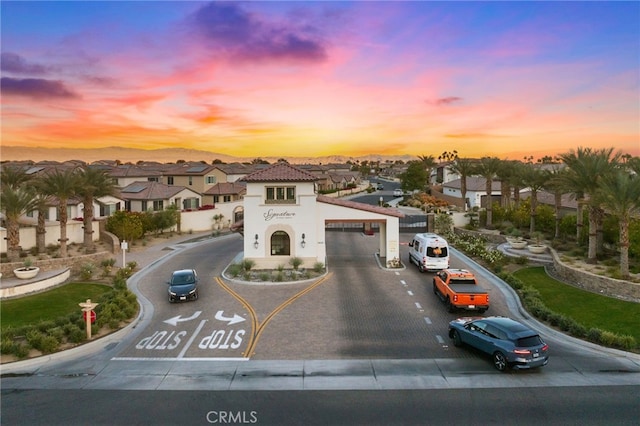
195,297
421,267
499,361
457,340
450,306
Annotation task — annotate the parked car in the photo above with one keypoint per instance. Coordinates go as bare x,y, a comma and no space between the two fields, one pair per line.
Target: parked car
379,187
183,285
398,192
510,343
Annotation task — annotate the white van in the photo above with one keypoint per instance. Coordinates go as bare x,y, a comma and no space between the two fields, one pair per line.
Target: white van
429,251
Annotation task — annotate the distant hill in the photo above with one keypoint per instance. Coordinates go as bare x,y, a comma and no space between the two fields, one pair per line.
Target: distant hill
167,155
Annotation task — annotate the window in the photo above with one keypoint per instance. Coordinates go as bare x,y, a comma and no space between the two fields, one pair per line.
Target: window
144,206
152,179
437,251
280,244
107,209
158,205
211,180
216,199
190,180
280,195
227,198
191,203
169,180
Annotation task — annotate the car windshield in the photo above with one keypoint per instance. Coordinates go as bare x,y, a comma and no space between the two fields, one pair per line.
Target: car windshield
183,279
528,342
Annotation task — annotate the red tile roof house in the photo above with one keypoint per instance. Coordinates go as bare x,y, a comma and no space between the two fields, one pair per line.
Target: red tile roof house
143,196
284,217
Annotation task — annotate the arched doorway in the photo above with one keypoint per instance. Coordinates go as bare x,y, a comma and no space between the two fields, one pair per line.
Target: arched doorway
280,244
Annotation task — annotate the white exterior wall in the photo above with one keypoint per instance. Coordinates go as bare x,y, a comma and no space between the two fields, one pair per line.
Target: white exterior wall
75,234
295,219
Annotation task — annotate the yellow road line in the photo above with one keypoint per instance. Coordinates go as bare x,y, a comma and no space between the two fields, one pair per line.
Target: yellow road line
252,312
258,328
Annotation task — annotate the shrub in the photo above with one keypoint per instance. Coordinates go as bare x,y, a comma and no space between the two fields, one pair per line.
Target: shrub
318,267
86,271
7,346
247,264
235,269
295,262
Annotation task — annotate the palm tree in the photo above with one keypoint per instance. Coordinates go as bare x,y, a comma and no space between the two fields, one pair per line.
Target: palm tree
16,199
61,184
42,203
556,186
620,195
505,174
428,162
535,179
464,167
586,168
488,168
92,183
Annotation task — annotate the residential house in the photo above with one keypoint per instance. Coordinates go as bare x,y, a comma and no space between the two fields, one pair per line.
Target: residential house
144,196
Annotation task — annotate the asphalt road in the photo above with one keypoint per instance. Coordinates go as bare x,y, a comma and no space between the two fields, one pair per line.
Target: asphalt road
542,406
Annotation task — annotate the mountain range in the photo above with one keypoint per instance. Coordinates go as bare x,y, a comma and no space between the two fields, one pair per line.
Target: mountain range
167,155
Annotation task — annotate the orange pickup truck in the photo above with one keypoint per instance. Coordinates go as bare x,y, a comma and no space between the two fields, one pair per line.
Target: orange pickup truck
458,289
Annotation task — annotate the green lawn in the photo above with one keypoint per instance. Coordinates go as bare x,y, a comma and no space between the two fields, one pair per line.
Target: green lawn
59,302
589,309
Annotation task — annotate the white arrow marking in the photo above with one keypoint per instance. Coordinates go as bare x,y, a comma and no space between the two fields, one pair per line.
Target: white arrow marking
175,320
236,318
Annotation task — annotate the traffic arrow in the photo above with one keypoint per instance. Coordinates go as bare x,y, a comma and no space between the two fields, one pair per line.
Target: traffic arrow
175,320
236,318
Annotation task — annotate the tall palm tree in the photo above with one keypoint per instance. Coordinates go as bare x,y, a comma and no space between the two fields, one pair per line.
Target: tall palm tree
586,167
488,168
92,183
620,195
464,167
505,174
61,184
16,199
535,179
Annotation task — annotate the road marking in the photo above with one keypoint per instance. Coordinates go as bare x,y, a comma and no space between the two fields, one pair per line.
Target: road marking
440,339
175,320
419,306
236,318
427,320
195,333
258,327
403,282
410,292
131,358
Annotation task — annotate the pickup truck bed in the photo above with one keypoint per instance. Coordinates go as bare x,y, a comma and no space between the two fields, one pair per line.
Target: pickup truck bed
467,289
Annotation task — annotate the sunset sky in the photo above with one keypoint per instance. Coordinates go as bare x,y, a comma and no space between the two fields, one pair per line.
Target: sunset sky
507,79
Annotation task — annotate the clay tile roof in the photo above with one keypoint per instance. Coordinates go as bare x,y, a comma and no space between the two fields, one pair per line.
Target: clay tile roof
359,206
227,188
280,172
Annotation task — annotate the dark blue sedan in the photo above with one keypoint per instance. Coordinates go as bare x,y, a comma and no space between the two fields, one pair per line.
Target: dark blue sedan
510,343
183,285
